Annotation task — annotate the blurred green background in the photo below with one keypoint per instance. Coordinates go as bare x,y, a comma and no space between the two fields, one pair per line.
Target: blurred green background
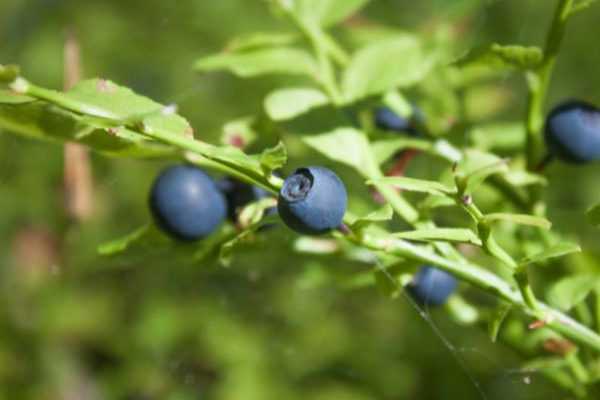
74,325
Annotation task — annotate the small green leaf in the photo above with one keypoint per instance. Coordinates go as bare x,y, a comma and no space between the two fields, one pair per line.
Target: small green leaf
398,103
260,39
368,73
384,149
277,60
462,312
273,158
289,103
415,185
475,160
477,177
8,97
314,245
43,121
345,145
121,244
520,178
520,219
226,249
496,320
504,136
253,213
559,250
459,235
239,133
431,202
447,151
385,213
581,5
327,12
570,291
503,57
593,215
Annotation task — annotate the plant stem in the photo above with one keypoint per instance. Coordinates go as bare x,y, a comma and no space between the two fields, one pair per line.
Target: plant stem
488,282
538,82
196,151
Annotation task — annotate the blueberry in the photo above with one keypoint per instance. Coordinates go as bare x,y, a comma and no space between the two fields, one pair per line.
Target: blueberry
186,203
431,286
388,120
312,200
572,132
240,194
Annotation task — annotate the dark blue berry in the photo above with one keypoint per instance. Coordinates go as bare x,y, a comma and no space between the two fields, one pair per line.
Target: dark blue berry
388,120
432,286
240,194
186,203
572,132
312,200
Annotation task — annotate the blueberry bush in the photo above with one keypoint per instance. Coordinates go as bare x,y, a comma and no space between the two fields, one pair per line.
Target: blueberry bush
378,172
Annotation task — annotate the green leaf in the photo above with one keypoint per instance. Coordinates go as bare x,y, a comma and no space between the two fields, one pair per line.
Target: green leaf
226,249
369,73
40,120
581,5
398,103
415,185
273,158
347,146
262,61
504,136
384,149
459,235
446,150
461,311
239,133
559,250
520,219
385,213
251,219
314,245
253,213
431,202
109,107
593,215
289,103
503,57
121,244
520,178
475,160
149,243
496,320
9,97
327,12
477,177
260,39
570,291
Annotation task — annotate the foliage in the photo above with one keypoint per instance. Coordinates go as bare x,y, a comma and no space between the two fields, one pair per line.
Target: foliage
476,208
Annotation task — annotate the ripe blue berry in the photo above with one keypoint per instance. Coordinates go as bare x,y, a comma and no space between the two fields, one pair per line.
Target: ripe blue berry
312,200
572,132
388,120
431,286
240,194
186,203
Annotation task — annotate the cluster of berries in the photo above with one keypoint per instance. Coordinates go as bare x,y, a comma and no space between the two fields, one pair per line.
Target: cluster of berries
189,205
